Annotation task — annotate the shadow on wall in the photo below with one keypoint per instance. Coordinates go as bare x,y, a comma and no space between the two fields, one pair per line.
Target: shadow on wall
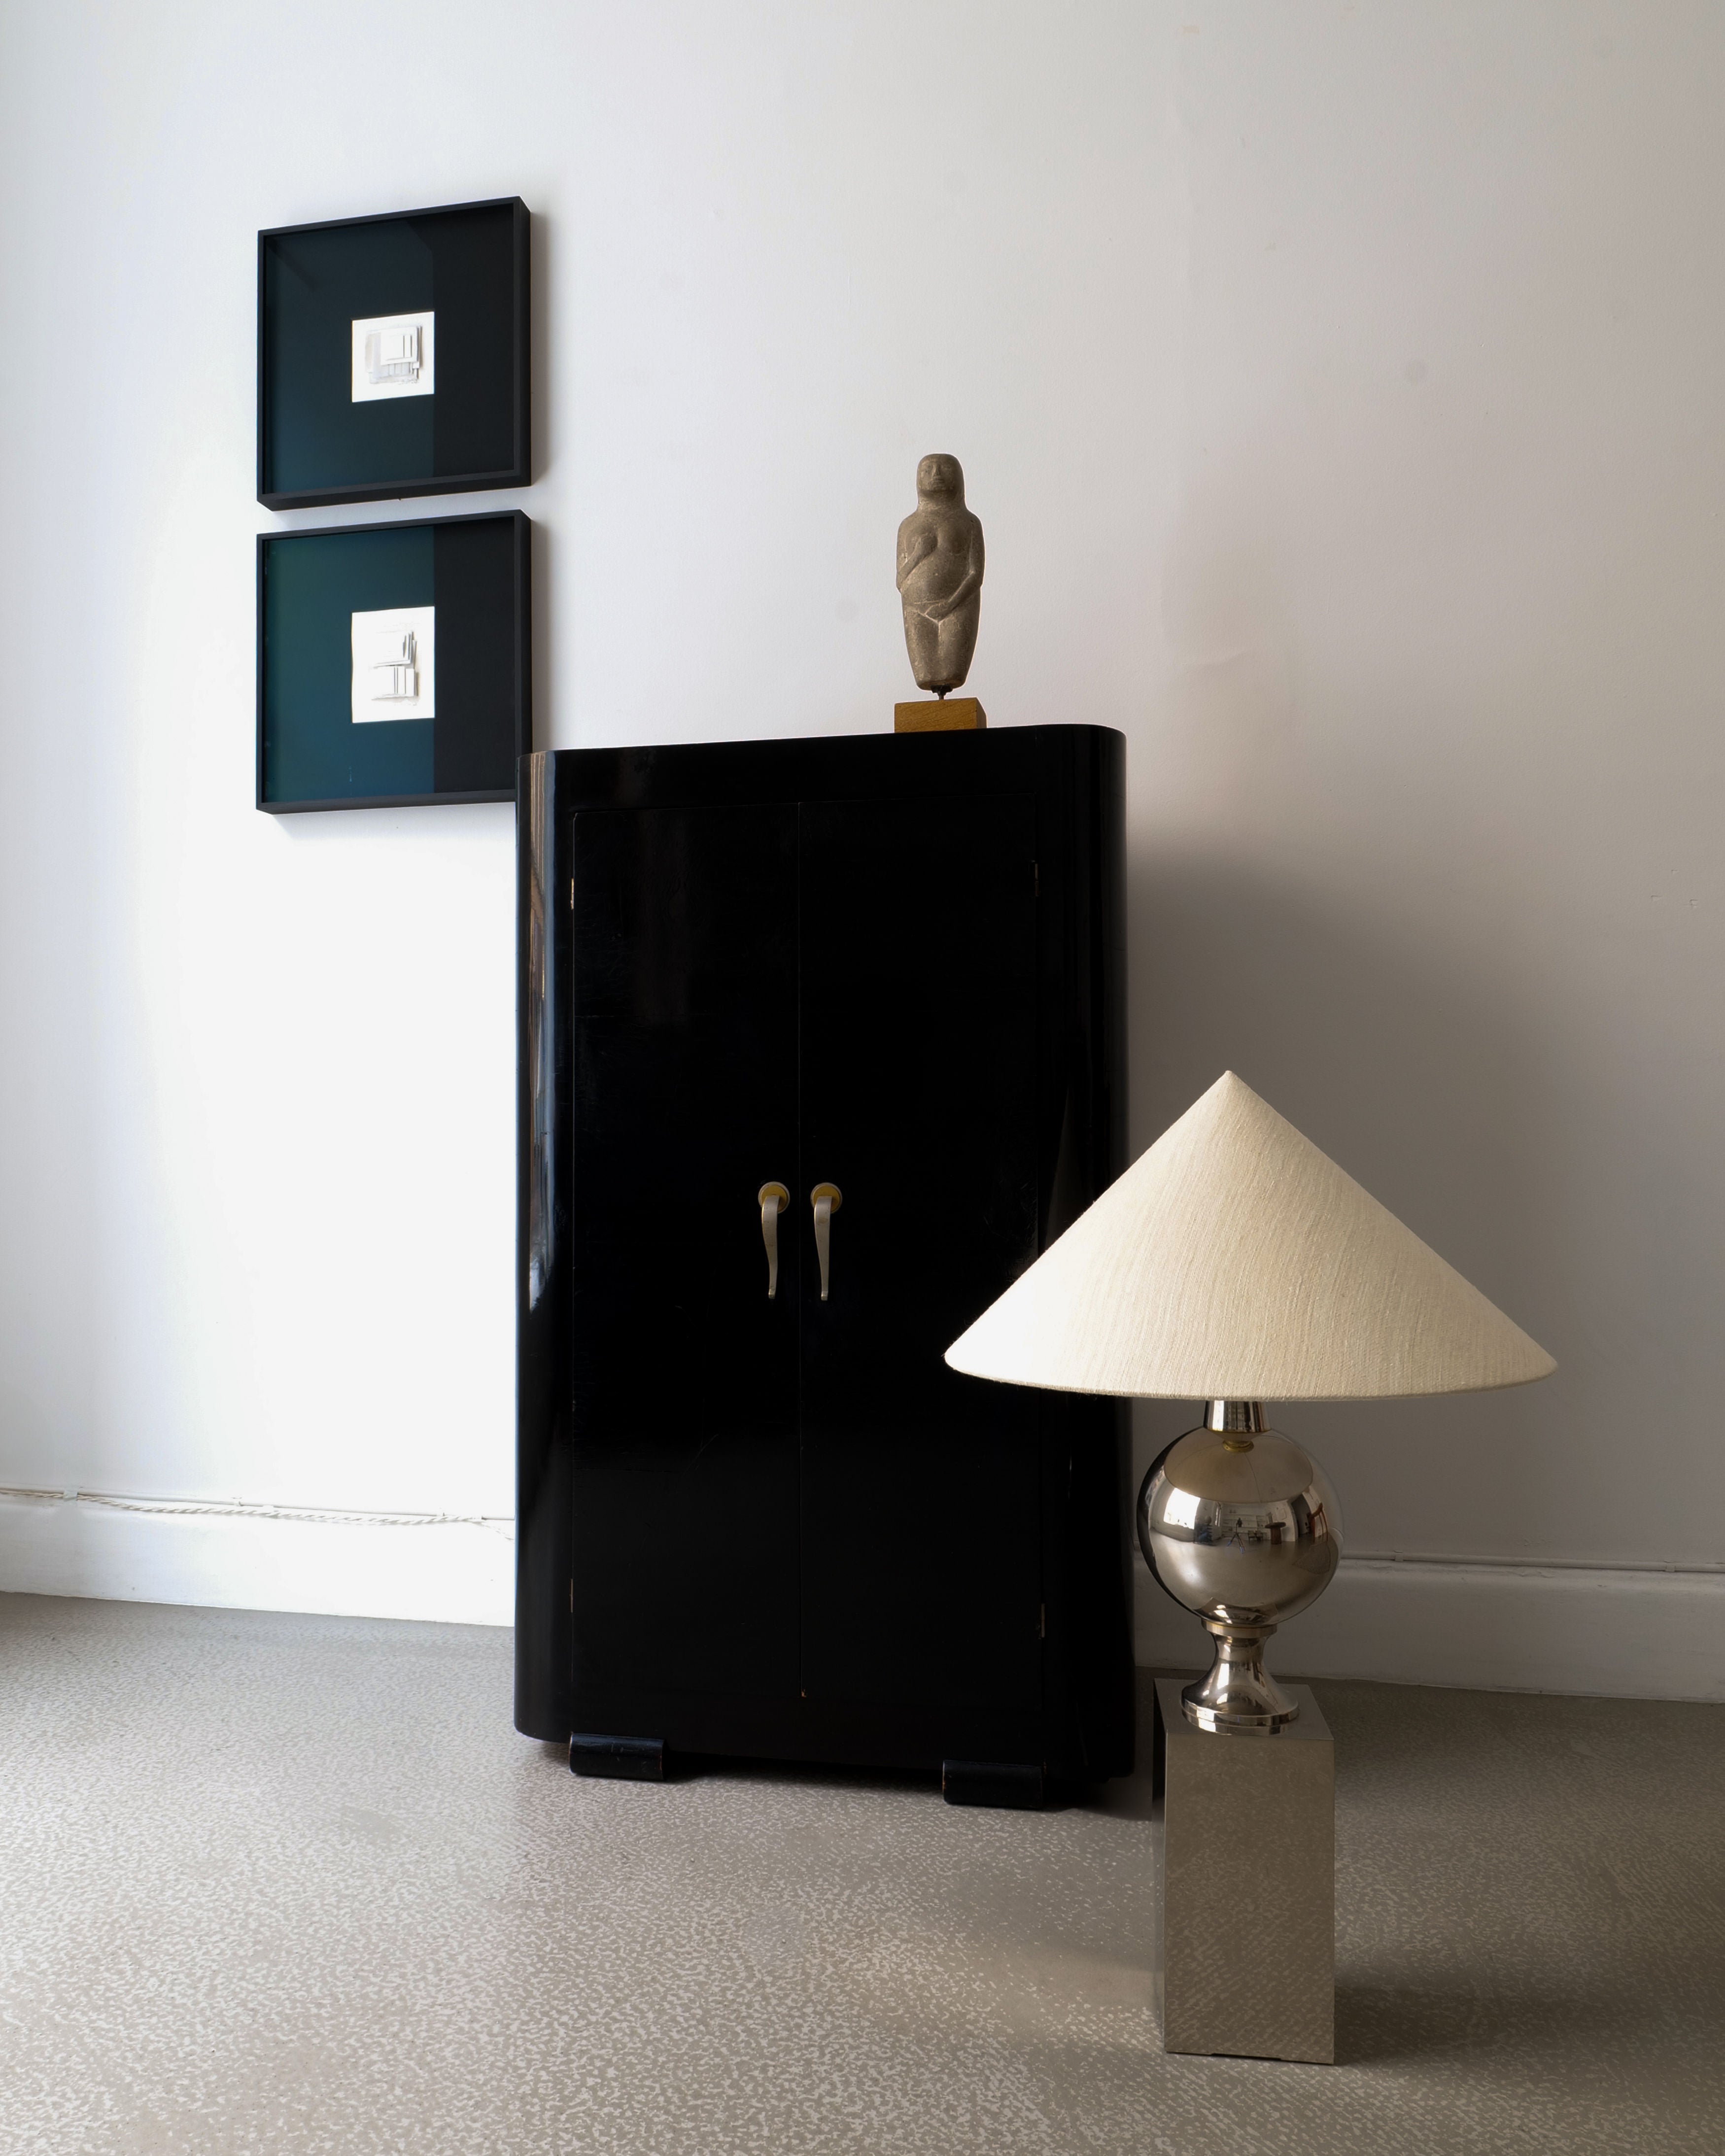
1423,1085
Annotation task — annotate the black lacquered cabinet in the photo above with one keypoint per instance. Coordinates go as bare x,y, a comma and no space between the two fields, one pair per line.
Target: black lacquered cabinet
778,1525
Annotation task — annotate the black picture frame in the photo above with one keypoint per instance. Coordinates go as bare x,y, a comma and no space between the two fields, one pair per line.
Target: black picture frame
316,446
477,572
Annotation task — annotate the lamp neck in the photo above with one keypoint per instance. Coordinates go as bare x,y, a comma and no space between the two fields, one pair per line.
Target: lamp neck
1245,1415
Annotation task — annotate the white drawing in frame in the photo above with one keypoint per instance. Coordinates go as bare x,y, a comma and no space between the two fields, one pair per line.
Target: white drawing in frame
394,355
394,665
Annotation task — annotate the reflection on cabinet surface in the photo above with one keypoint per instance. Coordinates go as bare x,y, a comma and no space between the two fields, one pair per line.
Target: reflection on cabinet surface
777,1525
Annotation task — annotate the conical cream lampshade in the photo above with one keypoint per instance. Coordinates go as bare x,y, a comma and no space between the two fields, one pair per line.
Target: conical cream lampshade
1233,1260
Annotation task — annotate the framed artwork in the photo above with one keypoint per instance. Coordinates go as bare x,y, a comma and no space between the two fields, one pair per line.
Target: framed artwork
392,355
394,663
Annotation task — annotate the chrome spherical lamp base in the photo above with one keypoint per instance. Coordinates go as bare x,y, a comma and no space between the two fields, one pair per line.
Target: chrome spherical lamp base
1239,1526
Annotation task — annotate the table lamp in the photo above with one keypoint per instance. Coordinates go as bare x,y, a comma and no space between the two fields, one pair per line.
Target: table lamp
1235,1263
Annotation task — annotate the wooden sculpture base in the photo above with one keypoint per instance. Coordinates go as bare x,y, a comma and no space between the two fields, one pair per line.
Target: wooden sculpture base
951,715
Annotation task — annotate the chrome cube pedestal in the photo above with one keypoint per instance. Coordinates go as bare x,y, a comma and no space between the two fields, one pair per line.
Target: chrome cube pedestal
1246,1901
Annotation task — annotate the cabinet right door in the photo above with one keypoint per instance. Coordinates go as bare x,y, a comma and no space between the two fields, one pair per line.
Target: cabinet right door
921,1519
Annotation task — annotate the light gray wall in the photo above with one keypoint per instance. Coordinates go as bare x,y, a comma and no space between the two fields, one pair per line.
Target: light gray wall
1340,389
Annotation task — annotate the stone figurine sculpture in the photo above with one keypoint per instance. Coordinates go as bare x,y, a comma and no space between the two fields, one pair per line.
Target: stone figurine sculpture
940,576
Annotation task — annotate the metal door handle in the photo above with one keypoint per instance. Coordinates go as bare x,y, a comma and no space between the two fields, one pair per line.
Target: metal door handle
771,1197
826,1199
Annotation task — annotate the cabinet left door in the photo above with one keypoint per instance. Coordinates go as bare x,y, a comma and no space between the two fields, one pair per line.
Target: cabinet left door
683,1371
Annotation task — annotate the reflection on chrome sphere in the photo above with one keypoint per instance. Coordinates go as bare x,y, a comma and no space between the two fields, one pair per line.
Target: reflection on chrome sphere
1250,1534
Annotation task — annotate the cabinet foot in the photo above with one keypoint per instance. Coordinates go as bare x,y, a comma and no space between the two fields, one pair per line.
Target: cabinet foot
1007,1787
618,1759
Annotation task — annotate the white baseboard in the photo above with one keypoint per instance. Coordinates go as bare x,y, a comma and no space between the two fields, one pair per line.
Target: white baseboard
454,1572
1617,1633
1630,1634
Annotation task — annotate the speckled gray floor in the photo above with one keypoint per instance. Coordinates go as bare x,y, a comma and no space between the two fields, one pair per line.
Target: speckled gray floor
292,1884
